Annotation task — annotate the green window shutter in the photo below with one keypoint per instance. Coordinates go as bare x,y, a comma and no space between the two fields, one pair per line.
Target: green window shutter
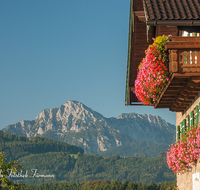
183,127
197,119
199,113
188,122
177,133
191,118
195,34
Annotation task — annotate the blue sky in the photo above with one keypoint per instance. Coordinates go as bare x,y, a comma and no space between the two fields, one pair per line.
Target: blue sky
55,51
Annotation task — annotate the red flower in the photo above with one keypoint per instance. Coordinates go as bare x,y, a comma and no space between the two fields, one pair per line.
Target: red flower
152,72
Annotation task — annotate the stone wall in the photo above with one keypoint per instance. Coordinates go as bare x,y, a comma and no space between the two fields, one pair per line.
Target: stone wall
185,181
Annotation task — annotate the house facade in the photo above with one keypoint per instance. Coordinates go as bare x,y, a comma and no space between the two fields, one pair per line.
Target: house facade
181,94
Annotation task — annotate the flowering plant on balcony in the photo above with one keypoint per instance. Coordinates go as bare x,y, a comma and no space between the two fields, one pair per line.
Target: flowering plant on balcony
185,152
152,72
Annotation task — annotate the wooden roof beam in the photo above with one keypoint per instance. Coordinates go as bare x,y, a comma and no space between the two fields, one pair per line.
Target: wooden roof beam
185,93
165,101
163,106
183,105
169,95
193,84
176,109
189,89
180,80
177,88
186,75
183,101
172,93
195,79
177,84
182,97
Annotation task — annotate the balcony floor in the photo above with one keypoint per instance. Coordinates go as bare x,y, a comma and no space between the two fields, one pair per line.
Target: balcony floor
179,92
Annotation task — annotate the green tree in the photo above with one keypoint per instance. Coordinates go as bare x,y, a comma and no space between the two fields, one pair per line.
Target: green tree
4,169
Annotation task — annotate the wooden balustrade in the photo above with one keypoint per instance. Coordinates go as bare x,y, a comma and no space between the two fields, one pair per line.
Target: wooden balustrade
184,60
184,54
189,60
184,68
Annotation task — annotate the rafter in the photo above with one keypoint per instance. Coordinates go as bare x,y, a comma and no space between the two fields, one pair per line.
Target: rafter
179,92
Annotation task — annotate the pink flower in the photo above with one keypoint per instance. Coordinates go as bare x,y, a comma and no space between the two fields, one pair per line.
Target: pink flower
152,72
185,152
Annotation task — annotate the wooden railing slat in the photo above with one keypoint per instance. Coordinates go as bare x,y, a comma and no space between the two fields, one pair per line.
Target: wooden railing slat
193,61
198,58
182,57
187,57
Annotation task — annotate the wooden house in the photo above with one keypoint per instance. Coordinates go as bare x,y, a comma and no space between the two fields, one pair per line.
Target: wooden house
181,94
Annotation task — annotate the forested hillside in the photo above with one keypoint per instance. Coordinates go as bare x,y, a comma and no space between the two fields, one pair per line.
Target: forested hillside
16,147
69,163
84,167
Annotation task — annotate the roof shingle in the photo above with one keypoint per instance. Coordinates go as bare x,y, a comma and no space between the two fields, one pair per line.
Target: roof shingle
172,9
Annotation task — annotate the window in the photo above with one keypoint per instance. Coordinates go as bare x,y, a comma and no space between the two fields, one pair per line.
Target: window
190,53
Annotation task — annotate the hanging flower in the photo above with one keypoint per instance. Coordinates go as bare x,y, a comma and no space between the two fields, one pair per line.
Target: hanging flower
152,72
185,152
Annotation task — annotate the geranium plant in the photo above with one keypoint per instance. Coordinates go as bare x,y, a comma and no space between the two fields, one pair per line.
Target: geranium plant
172,188
152,72
185,152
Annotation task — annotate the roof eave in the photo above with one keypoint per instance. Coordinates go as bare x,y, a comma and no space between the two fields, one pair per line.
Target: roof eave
127,92
174,22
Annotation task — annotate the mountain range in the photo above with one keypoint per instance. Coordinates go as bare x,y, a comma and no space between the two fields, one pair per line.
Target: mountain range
77,124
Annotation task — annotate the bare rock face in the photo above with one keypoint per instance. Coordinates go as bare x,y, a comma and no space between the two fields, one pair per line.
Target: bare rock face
76,124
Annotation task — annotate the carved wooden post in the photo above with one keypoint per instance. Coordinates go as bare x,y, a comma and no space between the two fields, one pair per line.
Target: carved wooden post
173,61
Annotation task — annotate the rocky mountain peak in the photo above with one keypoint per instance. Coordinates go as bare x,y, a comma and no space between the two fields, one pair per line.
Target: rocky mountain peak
81,111
77,124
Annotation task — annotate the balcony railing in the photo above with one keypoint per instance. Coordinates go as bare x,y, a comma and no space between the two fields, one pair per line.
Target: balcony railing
184,69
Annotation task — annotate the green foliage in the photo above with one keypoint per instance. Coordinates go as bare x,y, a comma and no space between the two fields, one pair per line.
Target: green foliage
84,168
102,185
16,147
6,169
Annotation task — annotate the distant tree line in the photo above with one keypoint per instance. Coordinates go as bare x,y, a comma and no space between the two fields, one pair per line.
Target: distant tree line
102,185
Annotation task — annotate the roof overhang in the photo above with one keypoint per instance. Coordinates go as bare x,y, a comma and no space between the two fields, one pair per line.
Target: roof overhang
190,23
137,44
127,93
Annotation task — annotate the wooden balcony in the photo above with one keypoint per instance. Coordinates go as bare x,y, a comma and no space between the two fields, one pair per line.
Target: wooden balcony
184,68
